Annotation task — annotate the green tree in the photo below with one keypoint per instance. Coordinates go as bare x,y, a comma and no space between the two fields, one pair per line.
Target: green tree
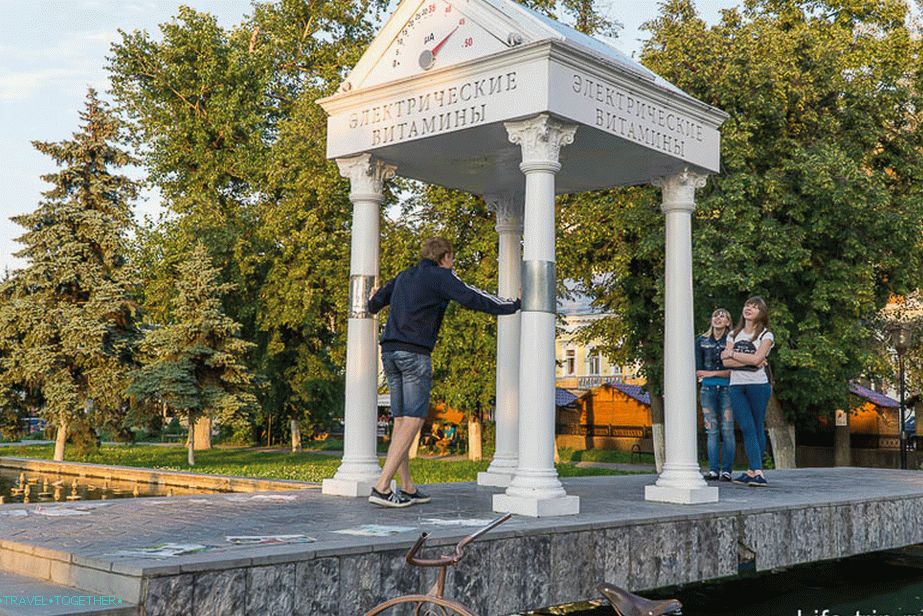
15,406
587,16
228,128
817,207
194,363
67,322
611,244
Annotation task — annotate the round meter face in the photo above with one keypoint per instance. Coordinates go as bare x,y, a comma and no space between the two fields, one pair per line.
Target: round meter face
437,35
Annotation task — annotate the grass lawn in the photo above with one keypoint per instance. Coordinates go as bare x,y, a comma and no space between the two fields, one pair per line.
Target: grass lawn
248,462
599,455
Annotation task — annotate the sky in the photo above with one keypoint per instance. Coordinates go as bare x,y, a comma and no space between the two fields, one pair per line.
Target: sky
52,50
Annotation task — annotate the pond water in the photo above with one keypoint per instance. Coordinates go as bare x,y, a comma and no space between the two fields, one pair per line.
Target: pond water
50,487
881,584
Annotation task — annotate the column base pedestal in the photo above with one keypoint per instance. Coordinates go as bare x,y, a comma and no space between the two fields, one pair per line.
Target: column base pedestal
682,496
535,507
348,487
494,479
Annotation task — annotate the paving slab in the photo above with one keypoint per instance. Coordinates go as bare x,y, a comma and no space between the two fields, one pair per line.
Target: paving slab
805,515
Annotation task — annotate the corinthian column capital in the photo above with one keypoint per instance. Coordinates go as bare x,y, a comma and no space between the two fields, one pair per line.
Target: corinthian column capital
366,174
509,208
679,190
541,139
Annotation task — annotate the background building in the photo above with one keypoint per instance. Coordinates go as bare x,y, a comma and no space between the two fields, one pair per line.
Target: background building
580,365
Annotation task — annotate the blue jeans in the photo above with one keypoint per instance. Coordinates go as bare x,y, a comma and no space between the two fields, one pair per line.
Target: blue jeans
719,426
410,379
749,403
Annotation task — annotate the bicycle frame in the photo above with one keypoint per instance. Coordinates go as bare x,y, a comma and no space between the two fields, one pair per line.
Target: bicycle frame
434,596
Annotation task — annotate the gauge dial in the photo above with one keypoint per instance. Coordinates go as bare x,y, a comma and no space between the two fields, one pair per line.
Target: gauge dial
438,34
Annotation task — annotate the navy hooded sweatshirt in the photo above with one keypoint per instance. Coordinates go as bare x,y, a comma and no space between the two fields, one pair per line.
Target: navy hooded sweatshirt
419,296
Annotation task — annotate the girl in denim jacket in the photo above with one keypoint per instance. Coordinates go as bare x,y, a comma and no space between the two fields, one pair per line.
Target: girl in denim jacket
715,396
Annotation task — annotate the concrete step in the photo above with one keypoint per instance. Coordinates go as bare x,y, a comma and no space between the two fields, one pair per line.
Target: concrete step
48,599
61,567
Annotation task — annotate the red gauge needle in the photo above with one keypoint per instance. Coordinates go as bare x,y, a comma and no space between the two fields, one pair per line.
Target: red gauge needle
442,42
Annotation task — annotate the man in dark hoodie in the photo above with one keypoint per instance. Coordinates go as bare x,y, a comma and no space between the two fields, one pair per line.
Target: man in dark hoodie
418,297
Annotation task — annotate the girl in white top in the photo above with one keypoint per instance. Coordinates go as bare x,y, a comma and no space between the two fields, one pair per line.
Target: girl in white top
745,355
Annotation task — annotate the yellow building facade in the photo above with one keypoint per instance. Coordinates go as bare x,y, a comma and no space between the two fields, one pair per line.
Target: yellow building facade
583,366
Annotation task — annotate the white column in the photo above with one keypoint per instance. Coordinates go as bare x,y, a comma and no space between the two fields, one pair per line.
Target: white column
681,481
359,468
535,489
508,207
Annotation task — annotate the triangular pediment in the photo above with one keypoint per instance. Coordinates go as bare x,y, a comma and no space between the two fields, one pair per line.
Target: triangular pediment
424,36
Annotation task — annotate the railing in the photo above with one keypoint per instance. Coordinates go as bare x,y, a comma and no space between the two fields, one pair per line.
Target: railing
861,441
608,430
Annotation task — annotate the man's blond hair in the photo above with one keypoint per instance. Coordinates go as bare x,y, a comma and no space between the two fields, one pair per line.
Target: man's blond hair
435,248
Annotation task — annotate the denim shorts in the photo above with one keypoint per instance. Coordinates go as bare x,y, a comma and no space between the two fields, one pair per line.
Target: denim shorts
410,379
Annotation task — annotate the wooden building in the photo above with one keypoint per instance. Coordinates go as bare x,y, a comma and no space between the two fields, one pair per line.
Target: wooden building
875,421
611,416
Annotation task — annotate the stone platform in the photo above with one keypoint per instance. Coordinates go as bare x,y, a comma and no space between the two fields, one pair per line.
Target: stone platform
806,515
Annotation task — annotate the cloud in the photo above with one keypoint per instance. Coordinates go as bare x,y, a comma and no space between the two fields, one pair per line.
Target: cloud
70,47
24,84
71,62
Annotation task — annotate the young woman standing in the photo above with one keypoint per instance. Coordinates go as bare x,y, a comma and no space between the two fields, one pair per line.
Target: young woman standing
745,354
715,396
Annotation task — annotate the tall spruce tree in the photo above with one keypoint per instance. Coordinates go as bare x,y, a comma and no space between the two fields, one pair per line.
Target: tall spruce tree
67,322
194,363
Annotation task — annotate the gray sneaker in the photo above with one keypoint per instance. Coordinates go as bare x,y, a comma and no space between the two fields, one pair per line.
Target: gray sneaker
417,497
390,499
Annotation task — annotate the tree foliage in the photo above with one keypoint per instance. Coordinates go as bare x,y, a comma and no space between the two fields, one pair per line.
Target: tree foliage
228,128
194,363
67,322
818,206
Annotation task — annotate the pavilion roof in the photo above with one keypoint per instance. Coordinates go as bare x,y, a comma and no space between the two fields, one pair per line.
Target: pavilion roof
562,32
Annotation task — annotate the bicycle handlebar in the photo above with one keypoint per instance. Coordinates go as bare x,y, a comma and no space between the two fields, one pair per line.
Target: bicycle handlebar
459,548
479,532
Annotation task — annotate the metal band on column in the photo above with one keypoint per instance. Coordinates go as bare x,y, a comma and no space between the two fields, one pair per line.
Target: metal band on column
360,287
538,287
535,489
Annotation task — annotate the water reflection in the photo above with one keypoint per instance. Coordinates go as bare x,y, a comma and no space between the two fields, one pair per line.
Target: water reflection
25,487
880,584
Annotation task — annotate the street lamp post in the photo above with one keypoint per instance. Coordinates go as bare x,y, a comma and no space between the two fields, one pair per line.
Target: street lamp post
901,339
